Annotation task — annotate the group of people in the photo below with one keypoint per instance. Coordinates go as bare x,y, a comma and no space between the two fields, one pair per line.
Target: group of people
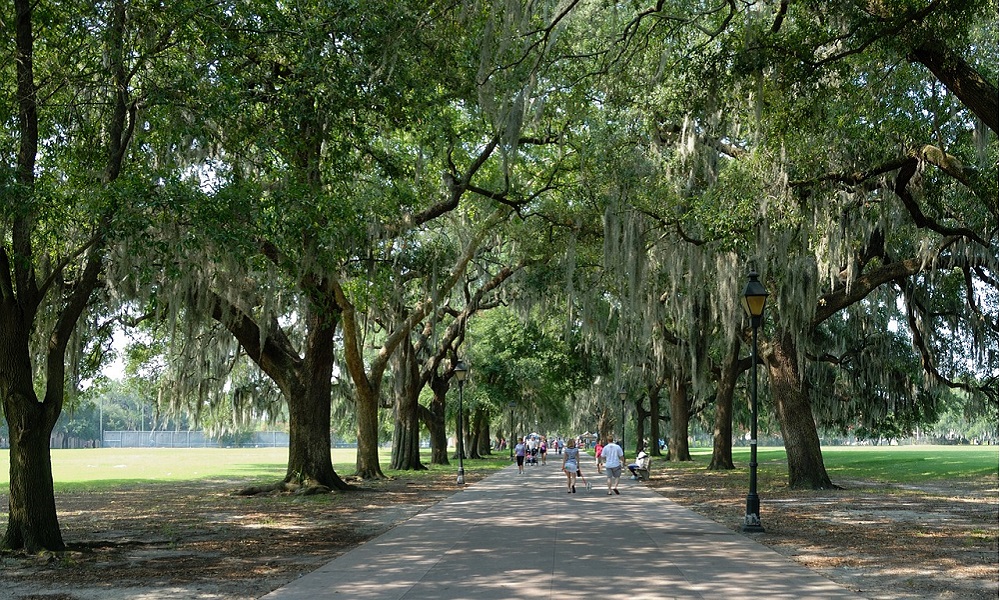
610,458
532,450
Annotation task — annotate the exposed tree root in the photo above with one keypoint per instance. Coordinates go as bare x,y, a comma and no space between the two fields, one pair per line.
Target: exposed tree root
284,487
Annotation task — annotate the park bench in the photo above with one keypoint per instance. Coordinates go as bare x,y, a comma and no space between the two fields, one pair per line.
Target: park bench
642,470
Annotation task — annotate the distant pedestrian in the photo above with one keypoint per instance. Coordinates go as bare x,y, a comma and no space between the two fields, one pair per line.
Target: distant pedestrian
543,449
614,458
597,456
519,454
570,463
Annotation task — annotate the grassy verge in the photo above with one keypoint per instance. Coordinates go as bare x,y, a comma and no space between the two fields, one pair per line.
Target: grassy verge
877,464
104,468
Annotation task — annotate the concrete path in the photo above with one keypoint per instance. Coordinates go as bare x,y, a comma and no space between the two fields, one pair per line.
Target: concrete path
522,536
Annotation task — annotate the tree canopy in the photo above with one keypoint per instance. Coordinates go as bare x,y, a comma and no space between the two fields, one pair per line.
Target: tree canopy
328,207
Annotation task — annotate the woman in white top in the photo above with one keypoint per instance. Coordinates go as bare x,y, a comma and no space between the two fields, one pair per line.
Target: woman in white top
570,464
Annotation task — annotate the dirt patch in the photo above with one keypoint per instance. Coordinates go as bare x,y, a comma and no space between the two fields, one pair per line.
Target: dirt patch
882,541
198,541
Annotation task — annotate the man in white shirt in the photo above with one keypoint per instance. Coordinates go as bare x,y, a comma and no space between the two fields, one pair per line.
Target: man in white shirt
614,458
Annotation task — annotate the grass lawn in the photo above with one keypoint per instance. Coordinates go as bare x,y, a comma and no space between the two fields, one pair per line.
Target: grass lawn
887,464
98,468
101,468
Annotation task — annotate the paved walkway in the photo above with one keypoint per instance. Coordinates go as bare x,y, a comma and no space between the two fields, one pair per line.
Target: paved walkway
522,536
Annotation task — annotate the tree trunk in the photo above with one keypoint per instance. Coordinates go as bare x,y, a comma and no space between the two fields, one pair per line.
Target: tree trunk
798,427
482,443
366,410
722,445
305,384
309,442
309,411
460,429
406,433
654,419
679,411
641,415
33,524
366,387
434,419
605,424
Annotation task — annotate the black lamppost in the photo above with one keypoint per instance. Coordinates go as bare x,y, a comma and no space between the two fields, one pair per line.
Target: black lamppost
623,394
510,434
754,298
461,372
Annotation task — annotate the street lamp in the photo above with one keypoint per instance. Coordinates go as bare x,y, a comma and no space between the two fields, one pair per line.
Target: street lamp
623,394
461,372
510,433
754,298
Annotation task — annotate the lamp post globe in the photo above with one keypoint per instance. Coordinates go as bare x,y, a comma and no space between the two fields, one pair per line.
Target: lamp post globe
461,372
754,299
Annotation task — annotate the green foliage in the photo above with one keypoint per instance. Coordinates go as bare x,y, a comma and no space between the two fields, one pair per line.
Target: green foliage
527,362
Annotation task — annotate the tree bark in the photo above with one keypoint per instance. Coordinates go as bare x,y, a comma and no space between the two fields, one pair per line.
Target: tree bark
406,433
642,415
481,442
680,408
33,524
975,92
798,427
309,411
434,419
722,444
653,391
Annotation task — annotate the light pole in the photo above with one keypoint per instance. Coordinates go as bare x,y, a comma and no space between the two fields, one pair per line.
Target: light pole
461,372
754,298
510,434
623,394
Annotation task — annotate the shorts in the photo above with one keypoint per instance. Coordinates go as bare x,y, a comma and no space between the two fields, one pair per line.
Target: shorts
614,472
520,460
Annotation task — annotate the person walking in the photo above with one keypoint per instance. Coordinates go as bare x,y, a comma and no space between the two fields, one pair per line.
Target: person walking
598,458
614,458
519,455
570,463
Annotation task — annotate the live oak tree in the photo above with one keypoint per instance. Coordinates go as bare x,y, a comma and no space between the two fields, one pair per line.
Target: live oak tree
82,79
785,118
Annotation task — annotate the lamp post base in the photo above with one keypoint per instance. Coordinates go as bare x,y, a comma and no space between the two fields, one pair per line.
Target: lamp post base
751,521
461,477
751,524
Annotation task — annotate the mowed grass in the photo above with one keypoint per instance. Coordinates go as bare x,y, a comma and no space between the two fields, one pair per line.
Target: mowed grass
888,464
102,468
